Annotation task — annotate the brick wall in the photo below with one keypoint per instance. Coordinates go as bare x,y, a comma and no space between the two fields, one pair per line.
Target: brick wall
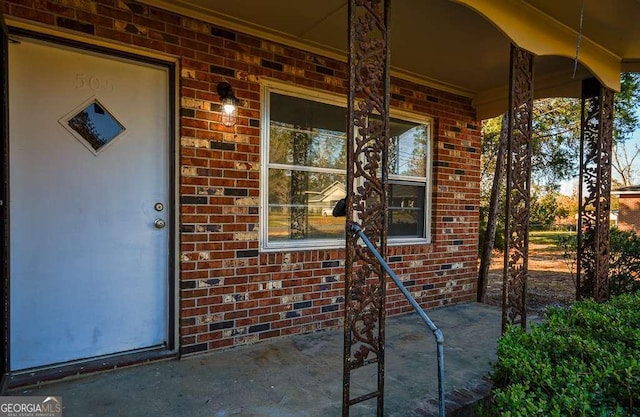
629,214
231,293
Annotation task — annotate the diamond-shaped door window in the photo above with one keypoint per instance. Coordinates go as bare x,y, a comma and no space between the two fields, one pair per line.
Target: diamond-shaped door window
94,124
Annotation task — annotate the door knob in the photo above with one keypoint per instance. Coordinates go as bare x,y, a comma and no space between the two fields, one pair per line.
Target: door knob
159,224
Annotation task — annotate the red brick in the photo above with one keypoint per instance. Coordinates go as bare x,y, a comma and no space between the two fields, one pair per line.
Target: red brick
31,14
225,168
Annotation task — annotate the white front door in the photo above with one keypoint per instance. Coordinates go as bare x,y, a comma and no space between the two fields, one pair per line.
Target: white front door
89,177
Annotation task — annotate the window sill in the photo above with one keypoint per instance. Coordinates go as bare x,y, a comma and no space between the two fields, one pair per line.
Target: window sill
307,246
400,241
303,246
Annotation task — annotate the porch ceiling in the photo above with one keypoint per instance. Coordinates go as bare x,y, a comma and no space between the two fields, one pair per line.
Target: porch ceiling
461,46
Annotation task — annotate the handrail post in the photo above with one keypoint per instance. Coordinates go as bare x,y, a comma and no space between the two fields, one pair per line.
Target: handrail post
439,336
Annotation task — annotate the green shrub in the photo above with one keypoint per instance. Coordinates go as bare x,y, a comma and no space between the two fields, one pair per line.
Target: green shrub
583,361
624,260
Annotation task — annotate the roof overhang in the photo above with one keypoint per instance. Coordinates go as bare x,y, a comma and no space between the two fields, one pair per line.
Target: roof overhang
632,191
459,46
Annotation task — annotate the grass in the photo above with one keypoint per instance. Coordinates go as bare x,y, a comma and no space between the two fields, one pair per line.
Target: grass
547,237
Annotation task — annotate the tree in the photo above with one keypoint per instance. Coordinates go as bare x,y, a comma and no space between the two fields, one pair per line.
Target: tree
626,121
555,139
545,208
552,159
556,133
623,163
567,211
492,216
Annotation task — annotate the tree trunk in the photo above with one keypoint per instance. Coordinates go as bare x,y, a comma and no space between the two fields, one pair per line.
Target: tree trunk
492,220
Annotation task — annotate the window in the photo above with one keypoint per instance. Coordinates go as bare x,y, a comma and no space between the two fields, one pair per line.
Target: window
93,125
304,172
408,181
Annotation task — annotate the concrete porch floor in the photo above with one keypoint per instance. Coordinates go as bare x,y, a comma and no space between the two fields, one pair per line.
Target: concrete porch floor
297,376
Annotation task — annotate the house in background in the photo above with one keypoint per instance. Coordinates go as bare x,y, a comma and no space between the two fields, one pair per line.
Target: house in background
629,211
324,200
138,224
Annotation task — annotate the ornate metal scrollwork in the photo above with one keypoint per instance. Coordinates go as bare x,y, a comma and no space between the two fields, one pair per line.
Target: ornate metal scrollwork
592,279
518,199
367,150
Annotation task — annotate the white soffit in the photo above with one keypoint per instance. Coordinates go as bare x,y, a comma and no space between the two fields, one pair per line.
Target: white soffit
459,46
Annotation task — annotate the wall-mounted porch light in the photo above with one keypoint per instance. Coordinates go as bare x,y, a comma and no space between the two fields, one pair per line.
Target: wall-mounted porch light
228,104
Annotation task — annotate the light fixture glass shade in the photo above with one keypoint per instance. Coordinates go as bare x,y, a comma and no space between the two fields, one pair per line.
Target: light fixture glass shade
228,111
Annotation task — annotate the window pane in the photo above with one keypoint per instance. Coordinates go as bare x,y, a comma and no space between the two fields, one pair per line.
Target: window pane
96,125
284,226
408,149
306,133
301,204
406,210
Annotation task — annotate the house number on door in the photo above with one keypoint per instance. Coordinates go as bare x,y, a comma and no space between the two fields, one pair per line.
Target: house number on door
93,83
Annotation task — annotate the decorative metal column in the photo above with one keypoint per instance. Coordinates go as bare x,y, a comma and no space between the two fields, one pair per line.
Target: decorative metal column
518,200
367,150
592,271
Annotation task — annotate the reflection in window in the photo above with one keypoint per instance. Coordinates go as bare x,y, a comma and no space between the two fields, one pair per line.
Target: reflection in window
408,149
408,161
96,125
306,174
301,205
306,169
406,210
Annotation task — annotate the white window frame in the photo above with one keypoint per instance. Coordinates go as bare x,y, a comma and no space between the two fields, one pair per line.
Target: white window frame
269,86
427,180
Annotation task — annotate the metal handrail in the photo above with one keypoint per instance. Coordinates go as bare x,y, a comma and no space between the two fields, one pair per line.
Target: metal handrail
434,329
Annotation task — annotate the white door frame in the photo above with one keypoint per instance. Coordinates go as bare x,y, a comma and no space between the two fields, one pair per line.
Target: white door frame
4,214
16,28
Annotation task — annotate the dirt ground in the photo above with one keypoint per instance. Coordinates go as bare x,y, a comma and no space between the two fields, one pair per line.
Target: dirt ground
550,283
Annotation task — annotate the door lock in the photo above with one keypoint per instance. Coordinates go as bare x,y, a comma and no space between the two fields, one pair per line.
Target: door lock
159,224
